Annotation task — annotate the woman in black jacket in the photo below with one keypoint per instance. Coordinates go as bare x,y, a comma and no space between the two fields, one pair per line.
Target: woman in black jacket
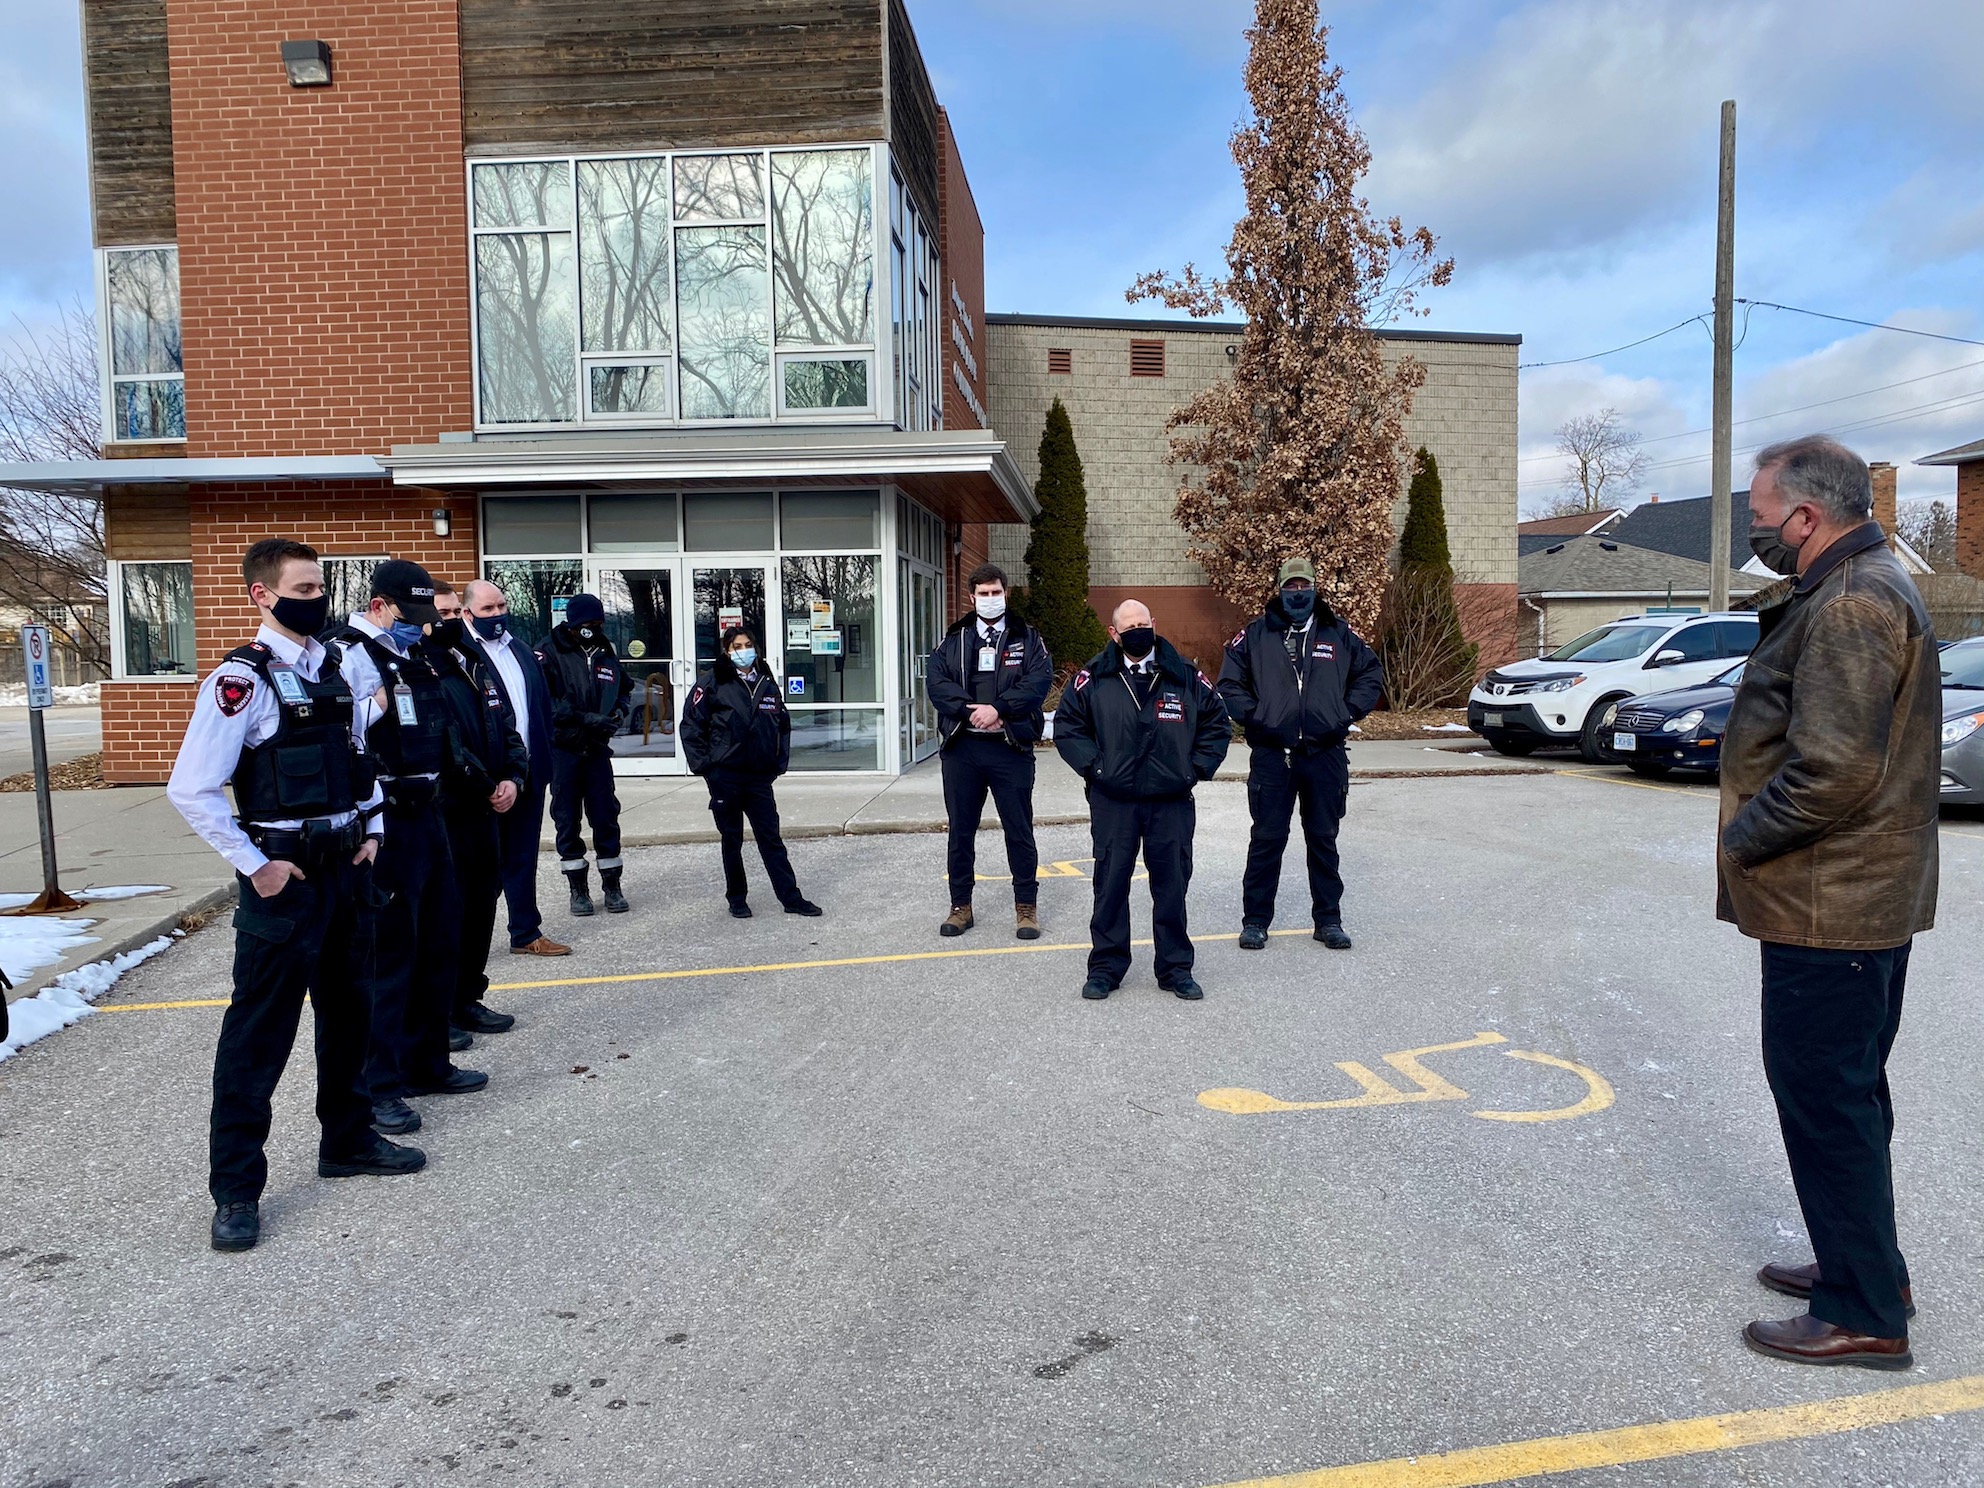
738,737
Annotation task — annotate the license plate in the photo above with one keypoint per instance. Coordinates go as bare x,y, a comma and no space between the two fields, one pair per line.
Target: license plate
1492,720
1625,743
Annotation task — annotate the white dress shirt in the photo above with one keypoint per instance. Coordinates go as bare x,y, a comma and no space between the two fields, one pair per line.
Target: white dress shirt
214,741
366,681
510,672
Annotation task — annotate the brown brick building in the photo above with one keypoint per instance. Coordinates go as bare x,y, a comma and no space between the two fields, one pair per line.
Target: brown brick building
679,302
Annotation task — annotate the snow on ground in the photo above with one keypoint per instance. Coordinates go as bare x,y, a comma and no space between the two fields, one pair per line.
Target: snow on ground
15,695
113,891
28,943
1446,728
67,999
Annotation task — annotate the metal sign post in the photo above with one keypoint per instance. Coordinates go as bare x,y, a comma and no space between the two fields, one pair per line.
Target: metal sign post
41,695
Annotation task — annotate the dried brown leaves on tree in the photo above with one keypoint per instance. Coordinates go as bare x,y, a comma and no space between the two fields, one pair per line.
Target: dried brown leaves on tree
1303,451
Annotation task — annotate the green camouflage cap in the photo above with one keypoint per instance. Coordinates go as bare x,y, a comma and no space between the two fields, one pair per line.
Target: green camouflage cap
1296,568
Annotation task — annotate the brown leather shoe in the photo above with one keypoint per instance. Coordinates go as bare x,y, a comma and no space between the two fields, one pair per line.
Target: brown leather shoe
1796,1281
1808,1340
1028,916
957,921
542,946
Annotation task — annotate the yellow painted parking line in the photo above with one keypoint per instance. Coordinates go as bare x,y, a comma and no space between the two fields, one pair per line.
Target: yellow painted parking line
1474,1467
160,1007
1672,790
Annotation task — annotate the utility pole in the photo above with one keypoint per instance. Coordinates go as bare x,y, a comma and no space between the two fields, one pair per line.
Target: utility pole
1725,293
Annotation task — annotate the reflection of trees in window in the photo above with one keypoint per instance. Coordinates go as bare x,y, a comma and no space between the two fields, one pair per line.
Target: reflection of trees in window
144,311
531,586
623,255
718,188
348,584
524,311
823,227
529,193
158,619
638,607
849,583
725,327
826,384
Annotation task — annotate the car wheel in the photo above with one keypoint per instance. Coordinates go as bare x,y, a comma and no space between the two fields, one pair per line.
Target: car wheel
1649,769
1589,746
1514,748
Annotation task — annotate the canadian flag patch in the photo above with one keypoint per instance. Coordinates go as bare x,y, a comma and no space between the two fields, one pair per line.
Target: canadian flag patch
232,693
1081,679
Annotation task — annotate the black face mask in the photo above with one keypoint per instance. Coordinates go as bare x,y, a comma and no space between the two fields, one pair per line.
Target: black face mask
304,617
1137,641
449,633
492,627
1776,554
1298,604
587,633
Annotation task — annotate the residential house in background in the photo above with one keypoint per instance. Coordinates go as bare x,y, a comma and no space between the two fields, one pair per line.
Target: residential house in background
1579,583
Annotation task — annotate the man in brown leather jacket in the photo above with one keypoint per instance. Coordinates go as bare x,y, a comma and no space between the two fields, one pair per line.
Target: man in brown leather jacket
1828,856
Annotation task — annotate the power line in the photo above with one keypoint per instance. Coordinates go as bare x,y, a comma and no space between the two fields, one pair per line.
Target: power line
1787,412
1873,325
1568,361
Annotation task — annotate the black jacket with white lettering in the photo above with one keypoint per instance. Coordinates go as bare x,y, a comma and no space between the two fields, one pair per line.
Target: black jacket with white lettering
1285,702
1026,673
1153,750
737,726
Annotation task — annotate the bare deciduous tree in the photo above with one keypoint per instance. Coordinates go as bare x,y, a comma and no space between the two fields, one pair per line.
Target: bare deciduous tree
1929,527
1303,450
1606,462
51,542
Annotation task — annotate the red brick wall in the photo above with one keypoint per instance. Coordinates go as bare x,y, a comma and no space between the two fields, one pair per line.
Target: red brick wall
322,231
1970,518
961,244
1489,617
143,722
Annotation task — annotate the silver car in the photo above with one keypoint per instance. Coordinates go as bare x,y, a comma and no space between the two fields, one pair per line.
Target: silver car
1963,722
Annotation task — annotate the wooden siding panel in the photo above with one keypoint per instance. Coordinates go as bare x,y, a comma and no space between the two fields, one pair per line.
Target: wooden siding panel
912,113
147,522
128,82
597,75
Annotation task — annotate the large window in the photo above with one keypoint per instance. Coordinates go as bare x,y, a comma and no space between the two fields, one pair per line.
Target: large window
154,609
913,313
692,288
144,374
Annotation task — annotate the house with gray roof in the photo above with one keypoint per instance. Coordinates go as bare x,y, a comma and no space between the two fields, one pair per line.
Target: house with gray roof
1583,582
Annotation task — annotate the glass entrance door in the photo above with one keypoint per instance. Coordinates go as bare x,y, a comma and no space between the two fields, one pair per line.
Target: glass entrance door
644,625
727,595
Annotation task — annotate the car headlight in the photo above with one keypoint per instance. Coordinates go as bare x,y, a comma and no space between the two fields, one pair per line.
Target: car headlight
1561,684
1956,730
1686,723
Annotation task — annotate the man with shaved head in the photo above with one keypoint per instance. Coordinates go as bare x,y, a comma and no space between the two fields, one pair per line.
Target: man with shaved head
1142,726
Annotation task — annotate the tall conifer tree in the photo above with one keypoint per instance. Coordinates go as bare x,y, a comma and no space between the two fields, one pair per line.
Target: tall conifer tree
1057,554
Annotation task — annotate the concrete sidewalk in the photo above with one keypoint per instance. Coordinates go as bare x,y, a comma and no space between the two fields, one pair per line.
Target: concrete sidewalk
131,834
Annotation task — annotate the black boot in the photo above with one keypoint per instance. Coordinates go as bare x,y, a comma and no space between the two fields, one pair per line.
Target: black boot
581,899
609,883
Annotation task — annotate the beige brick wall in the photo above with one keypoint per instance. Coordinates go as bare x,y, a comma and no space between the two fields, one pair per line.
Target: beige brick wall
1465,414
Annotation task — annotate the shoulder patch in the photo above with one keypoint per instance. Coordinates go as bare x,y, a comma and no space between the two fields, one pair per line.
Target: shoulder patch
1203,681
695,697
1081,679
1239,641
232,693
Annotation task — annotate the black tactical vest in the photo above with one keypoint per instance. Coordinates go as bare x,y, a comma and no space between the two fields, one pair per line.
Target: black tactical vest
402,748
310,766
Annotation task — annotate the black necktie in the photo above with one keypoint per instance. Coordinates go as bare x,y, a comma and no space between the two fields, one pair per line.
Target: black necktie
1142,684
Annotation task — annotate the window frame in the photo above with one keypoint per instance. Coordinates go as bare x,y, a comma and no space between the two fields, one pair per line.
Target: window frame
114,587
881,407
107,377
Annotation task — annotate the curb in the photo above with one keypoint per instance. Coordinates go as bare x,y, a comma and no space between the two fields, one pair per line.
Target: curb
106,950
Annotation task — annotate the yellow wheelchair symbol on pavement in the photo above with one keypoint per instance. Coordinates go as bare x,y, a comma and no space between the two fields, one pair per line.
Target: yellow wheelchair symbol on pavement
1429,1087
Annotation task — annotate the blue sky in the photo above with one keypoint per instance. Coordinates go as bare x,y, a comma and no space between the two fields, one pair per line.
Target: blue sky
1564,150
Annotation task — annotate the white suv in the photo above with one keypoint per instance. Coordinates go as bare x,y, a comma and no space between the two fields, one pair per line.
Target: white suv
1562,698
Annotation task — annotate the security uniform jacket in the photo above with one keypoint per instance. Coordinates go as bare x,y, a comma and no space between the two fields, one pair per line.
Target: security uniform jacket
484,748
1017,685
1303,702
737,726
1151,749
1831,765
590,693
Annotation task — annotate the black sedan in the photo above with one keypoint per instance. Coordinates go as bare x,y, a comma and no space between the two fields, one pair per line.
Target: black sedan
1665,731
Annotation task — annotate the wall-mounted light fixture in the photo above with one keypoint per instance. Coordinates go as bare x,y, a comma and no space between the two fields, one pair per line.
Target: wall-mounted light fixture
1232,352
443,522
308,63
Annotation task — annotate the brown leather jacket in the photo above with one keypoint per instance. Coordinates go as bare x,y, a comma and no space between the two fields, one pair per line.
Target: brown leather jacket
1831,766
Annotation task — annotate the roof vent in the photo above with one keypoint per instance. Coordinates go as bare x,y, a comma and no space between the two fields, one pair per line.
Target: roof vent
1609,547
1146,358
1558,549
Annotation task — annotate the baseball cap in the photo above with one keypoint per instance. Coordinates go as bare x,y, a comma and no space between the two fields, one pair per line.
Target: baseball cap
408,586
1296,568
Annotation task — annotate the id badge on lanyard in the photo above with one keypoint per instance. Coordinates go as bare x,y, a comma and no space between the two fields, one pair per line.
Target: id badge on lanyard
289,687
988,658
403,705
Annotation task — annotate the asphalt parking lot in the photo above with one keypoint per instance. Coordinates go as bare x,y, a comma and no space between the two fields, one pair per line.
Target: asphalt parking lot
836,1202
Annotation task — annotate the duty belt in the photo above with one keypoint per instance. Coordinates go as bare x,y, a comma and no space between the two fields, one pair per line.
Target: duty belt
410,792
315,842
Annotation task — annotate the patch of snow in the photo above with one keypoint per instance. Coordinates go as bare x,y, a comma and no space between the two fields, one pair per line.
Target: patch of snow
15,695
1047,726
1355,729
28,943
1446,728
121,891
67,999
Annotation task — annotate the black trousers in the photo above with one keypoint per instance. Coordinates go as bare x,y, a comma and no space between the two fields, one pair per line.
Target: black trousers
1829,1020
410,982
978,763
520,832
1277,782
585,781
476,847
734,799
309,938
1163,830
